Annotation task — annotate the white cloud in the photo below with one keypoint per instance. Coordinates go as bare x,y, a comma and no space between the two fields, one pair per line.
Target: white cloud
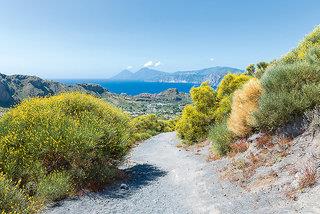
129,67
148,64
211,59
152,64
157,64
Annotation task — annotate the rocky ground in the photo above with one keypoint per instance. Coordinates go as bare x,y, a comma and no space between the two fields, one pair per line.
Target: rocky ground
167,179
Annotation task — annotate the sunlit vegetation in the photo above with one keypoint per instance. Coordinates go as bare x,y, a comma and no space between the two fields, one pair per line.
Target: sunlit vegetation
221,138
146,126
244,104
208,107
52,147
196,118
265,97
289,89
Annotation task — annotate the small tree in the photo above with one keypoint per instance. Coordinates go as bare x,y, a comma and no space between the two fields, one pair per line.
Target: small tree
250,70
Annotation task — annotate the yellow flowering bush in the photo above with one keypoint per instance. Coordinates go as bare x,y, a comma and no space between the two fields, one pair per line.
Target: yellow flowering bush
146,126
193,125
74,133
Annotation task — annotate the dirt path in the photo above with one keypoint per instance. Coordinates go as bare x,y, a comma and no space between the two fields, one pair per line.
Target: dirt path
166,179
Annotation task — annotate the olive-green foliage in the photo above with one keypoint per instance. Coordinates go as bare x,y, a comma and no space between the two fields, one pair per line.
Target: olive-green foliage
313,56
55,186
12,198
299,53
261,68
221,138
146,126
230,83
72,132
193,125
288,90
256,70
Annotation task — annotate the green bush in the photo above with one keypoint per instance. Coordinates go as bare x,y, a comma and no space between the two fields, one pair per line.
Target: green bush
221,138
71,132
12,198
193,124
223,108
203,97
230,83
55,186
146,126
288,91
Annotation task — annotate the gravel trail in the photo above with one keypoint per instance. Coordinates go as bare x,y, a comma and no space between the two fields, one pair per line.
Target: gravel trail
163,179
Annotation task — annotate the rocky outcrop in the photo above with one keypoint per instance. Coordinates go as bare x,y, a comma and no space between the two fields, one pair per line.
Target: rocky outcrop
93,88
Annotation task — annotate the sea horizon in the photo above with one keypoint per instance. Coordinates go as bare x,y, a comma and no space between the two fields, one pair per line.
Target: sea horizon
131,87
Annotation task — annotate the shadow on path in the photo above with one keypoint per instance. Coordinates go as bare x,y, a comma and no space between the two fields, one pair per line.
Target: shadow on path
140,175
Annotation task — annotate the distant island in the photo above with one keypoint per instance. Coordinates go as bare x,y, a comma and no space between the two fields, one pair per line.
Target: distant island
213,75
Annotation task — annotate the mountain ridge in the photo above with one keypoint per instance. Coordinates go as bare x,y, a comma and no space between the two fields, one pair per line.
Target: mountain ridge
212,74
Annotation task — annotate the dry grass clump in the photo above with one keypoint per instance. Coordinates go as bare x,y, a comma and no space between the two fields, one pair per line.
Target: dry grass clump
264,141
308,178
238,147
244,103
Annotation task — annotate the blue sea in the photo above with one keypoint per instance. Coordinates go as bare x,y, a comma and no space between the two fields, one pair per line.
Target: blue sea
132,87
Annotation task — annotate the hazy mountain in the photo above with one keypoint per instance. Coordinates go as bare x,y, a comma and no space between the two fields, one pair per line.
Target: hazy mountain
144,74
214,75
124,75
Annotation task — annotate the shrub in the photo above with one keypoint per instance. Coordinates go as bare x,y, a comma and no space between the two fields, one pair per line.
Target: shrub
146,126
203,97
250,70
313,56
71,132
194,123
222,109
230,83
55,186
288,90
261,68
12,198
221,138
244,103
299,53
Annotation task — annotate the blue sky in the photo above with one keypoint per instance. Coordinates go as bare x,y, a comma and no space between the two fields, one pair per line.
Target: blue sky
98,38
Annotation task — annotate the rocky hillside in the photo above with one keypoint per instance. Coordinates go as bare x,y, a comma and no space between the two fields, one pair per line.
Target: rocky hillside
213,75
15,88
